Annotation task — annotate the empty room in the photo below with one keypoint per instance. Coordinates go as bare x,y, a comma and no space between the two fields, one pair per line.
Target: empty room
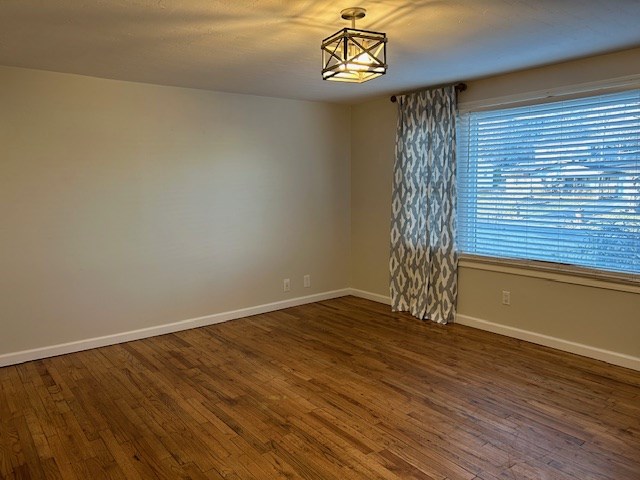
320,240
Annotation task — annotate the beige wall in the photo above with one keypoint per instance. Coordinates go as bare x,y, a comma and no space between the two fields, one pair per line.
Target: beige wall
596,317
594,69
125,206
372,150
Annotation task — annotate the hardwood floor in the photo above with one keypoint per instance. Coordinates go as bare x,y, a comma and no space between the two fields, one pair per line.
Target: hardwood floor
341,389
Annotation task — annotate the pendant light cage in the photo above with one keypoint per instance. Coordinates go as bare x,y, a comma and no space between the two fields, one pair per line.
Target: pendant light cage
352,55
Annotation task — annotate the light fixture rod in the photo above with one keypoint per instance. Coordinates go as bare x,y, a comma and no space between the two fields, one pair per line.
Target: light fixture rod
353,14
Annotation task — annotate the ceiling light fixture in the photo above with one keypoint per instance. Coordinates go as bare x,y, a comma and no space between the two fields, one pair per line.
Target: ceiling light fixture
352,55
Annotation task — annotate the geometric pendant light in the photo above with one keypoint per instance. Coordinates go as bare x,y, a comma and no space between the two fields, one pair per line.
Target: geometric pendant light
352,55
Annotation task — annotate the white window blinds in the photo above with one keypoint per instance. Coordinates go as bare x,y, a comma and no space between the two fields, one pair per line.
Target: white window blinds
557,182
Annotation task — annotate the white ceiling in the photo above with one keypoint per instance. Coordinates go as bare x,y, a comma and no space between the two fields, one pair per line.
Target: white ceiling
272,47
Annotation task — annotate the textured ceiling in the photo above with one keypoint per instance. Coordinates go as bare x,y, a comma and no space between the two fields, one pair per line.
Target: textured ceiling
272,47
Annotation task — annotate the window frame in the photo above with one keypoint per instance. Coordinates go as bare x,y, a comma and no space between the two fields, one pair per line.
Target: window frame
558,272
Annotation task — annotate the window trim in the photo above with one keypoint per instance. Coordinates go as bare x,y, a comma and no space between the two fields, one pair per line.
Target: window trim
555,272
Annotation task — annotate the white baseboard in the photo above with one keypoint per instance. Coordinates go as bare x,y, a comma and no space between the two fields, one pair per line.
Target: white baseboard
370,296
13,358
608,356
79,345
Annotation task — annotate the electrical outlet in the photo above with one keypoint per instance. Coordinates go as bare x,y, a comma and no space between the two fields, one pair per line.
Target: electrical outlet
307,281
286,285
506,297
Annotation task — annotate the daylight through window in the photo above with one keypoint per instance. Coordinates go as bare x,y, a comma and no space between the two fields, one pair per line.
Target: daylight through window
556,182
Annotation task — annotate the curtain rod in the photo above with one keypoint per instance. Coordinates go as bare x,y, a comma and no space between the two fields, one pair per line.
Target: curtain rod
460,87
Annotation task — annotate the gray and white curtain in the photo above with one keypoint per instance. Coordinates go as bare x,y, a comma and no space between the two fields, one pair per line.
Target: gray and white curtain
424,259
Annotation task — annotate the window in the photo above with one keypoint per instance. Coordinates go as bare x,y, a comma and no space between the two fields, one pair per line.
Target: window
556,182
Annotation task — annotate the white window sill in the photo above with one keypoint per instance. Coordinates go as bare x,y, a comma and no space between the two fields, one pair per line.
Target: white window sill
554,272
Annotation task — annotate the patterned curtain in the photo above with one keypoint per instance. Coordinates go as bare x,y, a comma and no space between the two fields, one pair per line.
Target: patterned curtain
424,259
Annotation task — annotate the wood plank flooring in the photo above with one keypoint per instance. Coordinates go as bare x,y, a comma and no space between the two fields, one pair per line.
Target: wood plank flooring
341,389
